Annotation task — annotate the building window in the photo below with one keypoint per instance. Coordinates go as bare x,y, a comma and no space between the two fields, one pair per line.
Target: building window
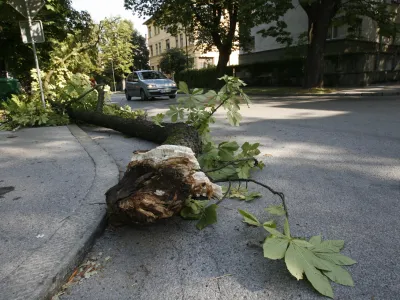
156,49
159,47
158,67
176,42
152,67
333,32
151,50
149,29
167,45
181,39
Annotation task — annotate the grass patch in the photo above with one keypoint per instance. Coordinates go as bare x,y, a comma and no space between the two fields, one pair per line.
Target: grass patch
286,90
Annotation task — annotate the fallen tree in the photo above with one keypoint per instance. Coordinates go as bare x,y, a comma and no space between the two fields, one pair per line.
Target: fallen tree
170,133
171,180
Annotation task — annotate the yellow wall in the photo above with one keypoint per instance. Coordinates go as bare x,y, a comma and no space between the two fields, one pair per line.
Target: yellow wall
157,37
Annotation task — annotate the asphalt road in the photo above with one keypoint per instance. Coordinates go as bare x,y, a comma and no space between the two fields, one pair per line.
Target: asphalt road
338,162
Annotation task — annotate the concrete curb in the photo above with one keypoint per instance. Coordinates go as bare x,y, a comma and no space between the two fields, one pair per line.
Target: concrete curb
364,94
43,273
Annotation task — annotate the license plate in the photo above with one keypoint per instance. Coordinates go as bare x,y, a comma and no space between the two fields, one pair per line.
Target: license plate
165,90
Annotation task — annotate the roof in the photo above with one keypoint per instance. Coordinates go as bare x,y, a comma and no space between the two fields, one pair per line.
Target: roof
148,21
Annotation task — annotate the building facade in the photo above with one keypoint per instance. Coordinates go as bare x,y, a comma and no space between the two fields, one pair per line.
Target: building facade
159,41
357,59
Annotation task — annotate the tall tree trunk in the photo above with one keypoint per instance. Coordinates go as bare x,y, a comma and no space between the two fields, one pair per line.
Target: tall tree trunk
223,59
320,14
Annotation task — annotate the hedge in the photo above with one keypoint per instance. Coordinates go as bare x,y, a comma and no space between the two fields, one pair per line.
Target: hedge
200,78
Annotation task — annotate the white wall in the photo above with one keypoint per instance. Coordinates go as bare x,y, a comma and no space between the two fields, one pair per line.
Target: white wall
297,22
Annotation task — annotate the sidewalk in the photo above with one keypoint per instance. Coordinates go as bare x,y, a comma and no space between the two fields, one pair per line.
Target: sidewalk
372,90
48,179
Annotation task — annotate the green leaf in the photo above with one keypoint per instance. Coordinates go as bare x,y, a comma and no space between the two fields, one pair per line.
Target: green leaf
270,224
251,196
272,230
339,275
193,209
294,262
227,150
300,260
275,248
249,218
336,258
286,228
208,217
329,246
158,119
183,87
316,240
243,171
302,243
276,210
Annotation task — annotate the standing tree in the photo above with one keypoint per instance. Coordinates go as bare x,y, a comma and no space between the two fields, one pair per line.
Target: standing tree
321,13
213,24
59,20
116,46
140,52
173,61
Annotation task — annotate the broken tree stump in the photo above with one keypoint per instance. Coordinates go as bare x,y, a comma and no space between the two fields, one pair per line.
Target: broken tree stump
156,185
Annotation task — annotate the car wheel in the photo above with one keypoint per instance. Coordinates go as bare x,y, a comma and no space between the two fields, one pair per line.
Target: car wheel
172,96
143,96
128,98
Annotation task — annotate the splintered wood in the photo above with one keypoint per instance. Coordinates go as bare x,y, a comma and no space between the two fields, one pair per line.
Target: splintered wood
156,185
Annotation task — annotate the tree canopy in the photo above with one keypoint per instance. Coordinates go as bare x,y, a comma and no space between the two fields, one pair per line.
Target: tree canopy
140,52
212,23
59,19
173,61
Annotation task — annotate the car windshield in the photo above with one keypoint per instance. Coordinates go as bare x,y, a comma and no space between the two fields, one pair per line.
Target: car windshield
152,75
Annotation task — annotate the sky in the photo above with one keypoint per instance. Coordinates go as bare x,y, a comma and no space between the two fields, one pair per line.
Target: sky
100,9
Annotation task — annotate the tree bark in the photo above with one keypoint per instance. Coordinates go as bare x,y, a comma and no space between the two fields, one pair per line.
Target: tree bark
223,59
171,133
320,14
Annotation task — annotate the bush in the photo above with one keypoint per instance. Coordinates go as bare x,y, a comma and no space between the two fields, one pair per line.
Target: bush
22,111
201,78
283,72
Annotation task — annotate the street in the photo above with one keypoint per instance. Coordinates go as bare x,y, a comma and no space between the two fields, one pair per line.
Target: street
337,159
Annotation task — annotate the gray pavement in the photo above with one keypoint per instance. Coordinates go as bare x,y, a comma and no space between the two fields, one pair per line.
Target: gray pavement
338,162
49,176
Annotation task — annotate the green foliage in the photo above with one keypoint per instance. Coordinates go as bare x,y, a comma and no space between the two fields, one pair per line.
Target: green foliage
140,52
174,61
23,111
240,193
124,111
205,19
59,19
197,109
201,78
115,44
200,210
319,260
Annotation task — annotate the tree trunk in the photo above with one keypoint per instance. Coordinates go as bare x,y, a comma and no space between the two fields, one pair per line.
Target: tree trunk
223,59
320,14
171,133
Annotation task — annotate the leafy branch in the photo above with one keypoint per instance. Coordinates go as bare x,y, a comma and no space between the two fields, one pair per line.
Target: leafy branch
319,260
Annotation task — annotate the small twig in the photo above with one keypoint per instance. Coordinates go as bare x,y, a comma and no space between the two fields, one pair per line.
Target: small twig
226,194
229,163
279,194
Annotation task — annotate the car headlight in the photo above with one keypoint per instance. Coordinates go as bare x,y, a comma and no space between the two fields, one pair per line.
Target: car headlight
151,86
172,84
